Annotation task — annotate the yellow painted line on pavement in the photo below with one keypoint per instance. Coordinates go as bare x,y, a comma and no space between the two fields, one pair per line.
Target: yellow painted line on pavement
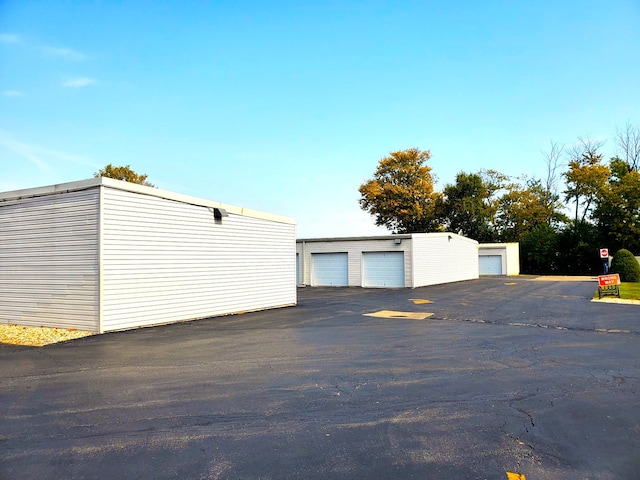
394,314
420,301
515,476
511,283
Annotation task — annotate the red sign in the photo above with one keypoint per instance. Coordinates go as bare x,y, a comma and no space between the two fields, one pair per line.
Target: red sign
604,253
606,280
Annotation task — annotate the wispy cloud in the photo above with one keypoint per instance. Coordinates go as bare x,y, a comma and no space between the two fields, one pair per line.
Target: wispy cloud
12,93
65,53
48,50
10,38
46,160
25,151
78,82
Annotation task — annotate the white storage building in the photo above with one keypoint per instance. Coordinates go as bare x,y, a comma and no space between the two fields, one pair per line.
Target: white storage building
408,260
499,258
103,255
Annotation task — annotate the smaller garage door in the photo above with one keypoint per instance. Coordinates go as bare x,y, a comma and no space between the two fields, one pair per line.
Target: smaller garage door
329,270
383,269
490,264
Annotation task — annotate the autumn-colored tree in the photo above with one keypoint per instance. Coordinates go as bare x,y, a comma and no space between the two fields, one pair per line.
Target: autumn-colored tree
524,207
531,214
400,195
586,177
123,173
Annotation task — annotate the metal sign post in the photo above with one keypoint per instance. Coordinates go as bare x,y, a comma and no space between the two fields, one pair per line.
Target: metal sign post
604,254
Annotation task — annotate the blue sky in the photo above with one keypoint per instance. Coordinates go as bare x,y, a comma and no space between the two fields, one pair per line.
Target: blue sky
287,106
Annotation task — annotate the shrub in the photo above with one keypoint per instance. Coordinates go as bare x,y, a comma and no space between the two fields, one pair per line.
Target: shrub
626,265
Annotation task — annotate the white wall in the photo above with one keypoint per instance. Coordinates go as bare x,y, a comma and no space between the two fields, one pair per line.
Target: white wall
354,247
102,255
513,258
430,258
443,258
166,261
510,253
49,259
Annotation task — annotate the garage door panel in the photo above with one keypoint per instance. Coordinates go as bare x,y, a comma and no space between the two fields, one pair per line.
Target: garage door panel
383,269
329,270
490,264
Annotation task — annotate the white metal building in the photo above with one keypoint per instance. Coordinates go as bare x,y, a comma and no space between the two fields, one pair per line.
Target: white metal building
499,258
409,260
103,255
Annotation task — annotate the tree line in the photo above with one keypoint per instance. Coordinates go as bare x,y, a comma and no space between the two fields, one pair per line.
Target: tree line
582,204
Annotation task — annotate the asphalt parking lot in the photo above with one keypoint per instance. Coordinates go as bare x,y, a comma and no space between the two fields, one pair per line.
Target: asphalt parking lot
506,375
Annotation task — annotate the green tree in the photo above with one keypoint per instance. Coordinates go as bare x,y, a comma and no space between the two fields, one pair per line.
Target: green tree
400,195
539,250
617,213
123,173
532,215
578,247
467,206
626,265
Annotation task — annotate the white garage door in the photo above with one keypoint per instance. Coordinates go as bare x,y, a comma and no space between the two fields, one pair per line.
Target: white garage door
490,264
329,270
383,269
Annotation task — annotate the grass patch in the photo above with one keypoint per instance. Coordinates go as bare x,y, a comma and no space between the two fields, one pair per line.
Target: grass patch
628,290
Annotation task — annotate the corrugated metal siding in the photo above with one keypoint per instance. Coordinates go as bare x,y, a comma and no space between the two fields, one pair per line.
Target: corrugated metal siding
166,261
443,257
49,260
354,248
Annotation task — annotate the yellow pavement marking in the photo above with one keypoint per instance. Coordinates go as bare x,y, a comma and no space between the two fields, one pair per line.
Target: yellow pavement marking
393,314
420,301
511,283
515,476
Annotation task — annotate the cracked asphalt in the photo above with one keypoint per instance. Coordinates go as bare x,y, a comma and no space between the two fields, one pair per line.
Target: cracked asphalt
507,375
